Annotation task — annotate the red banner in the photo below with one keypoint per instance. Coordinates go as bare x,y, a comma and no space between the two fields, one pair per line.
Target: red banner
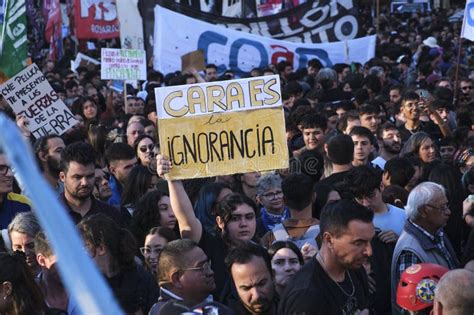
96,19
52,32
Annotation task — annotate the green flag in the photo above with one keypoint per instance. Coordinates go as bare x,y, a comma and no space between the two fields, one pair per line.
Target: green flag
13,41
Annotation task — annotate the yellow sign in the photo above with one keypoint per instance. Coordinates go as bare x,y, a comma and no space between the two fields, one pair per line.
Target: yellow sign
222,128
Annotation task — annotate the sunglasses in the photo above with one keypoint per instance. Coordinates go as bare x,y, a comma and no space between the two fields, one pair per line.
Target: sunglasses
150,147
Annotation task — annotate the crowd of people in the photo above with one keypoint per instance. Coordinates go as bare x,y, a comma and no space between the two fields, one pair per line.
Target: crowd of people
375,214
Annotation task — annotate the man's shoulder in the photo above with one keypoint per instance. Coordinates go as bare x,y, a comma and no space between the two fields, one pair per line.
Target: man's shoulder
99,204
108,210
303,281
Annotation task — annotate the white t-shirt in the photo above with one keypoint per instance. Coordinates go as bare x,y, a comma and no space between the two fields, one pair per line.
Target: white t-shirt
394,219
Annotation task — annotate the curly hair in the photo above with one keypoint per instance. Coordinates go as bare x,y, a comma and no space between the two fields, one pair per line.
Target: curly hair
146,214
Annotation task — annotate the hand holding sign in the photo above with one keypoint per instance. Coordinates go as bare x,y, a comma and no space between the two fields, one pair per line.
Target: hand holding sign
163,165
222,128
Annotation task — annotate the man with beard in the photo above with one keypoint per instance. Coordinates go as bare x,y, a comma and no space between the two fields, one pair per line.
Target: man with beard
334,282
390,144
48,154
250,268
78,175
49,279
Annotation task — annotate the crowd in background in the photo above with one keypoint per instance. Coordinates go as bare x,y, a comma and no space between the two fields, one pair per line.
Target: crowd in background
375,200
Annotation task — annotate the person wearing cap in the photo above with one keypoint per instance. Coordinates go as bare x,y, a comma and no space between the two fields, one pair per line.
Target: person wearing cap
416,289
423,239
431,42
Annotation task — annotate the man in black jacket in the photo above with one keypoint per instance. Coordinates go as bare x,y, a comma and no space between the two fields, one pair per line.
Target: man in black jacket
334,282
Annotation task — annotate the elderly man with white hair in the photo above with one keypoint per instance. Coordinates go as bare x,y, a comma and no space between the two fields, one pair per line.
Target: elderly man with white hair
422,239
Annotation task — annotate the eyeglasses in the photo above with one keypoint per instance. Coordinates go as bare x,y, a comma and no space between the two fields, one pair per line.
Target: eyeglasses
443,209
150,250
4,169
469,87
206,267
273,195
150,147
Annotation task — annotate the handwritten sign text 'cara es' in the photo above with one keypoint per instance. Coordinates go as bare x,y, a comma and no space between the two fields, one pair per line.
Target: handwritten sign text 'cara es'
222,128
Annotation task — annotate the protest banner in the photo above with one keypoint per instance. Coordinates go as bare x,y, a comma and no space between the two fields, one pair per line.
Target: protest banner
232,8
13,39
123,64
96,19
310,22
222,128
467,30
53,28
131,25
240,51
30,94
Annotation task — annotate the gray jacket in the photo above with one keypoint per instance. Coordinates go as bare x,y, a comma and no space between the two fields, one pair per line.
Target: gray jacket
415,241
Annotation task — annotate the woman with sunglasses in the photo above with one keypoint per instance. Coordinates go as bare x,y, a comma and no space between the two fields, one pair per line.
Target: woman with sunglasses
155,240
235,220
144,148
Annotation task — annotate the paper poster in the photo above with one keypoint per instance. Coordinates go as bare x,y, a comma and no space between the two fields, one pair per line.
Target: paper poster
30,94
222,128
123,64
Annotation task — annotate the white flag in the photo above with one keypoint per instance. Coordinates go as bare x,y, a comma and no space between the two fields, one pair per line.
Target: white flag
468,21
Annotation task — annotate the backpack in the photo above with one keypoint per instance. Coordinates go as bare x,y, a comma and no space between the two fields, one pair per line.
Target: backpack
281,234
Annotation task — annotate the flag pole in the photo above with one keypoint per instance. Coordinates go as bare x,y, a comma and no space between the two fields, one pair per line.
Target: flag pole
458,61
455,96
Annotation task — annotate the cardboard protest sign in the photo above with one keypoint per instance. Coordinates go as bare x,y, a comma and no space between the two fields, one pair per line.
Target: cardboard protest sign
222,128
193,60
30,94
123,64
